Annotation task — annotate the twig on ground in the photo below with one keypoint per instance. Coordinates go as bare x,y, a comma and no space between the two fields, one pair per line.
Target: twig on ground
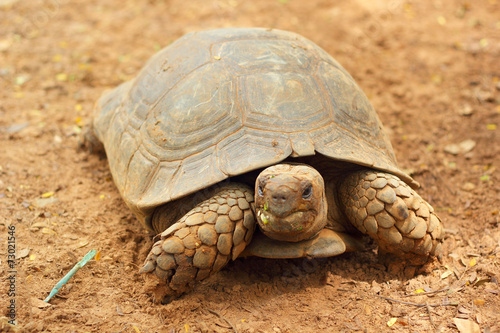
427,293
430,315
418,304
494,251
340,289
223,318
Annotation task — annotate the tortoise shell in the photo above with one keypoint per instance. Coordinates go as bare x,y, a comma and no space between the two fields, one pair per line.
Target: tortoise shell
220,103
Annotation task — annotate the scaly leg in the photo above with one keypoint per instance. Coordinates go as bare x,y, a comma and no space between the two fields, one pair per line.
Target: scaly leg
404,225
203,240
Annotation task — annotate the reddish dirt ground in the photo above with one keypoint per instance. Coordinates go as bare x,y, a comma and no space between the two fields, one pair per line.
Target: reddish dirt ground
432,71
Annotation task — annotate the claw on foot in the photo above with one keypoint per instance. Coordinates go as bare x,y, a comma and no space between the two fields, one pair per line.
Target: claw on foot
384,207
148,267
201,242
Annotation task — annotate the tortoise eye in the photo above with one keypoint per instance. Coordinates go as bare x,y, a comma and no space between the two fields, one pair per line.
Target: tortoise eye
260,191
307,192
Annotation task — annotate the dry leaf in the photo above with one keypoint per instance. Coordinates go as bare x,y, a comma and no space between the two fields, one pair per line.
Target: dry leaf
478,301
392,321
48,231
62,77
436,78
403,322
482,281
484,178
468,186
446,274
466,326
462,309
21,79
473,262
461,148
5,44
466,111
42,202
39,225
472,277
82,243
22,253
441,20
491,127
119,310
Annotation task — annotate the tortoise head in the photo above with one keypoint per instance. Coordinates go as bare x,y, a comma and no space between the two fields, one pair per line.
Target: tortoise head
290,202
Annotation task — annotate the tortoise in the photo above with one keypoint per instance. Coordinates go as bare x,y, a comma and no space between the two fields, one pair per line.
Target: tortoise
227,129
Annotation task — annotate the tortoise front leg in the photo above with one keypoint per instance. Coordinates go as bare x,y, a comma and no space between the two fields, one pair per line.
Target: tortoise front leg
384,207
202,241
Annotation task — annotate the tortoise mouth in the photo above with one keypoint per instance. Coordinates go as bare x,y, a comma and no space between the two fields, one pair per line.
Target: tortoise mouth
294,227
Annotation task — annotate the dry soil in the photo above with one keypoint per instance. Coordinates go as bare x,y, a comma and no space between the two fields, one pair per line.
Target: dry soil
430,68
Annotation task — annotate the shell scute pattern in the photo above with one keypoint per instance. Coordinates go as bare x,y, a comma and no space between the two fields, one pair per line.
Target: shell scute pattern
228,101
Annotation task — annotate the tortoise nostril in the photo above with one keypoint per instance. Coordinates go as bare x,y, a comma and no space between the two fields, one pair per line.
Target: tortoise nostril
280,198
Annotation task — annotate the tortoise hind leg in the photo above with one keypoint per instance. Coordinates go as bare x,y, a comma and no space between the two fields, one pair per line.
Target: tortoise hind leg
90,141
384,207
202,241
